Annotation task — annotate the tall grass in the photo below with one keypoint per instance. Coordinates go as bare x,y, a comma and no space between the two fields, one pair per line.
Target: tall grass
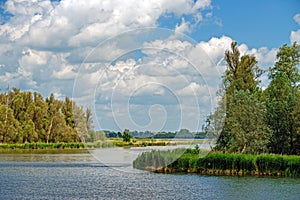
41,145
218,163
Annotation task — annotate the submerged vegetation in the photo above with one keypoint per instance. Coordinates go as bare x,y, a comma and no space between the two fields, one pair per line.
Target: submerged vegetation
195,161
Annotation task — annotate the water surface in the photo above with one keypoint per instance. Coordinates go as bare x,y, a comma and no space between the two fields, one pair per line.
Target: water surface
83,176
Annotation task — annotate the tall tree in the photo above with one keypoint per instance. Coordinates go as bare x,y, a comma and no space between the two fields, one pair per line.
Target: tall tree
242,131
80,123
288,58
248,130
9,126
89,119
40,116
282,99
242,71
67,110
296,125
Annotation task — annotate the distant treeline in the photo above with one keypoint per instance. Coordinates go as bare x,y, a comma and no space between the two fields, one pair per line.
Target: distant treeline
182,134
26,117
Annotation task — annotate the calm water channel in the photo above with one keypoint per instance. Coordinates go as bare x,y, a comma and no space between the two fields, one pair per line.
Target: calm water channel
108,174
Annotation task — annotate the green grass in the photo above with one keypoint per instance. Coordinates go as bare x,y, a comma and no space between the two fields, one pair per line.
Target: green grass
192,161
40,145
107,143
43,151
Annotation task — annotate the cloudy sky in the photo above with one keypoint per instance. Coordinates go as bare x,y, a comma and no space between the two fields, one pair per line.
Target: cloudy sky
143,65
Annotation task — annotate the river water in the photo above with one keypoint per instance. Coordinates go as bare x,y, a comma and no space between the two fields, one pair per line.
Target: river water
108,174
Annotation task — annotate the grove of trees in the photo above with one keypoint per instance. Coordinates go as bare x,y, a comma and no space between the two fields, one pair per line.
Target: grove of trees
249,119
28,117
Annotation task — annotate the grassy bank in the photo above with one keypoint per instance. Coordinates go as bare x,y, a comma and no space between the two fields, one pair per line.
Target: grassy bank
41,147
43,151
142,143
193,161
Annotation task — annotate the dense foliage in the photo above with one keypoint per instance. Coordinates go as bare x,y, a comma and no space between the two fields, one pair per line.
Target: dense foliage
28,117
191,161
252,120
126,136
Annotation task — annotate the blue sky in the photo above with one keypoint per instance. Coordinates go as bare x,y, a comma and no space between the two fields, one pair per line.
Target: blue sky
257,23
143,65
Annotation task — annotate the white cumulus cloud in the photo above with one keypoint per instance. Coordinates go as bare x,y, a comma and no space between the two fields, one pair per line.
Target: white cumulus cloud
103,53
295,36
297,18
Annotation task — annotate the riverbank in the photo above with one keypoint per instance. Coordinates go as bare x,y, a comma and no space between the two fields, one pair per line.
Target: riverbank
43,151
195,161
40,147
43,148
144,142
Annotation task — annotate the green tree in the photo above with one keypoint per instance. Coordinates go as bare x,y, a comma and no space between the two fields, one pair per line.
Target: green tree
40,116
89,119
214,123
248,130
288,58
296,125
80,123
28,133
282,98
27,117
67,110
241,73
242,131
52,109
126,135
57,129
9,126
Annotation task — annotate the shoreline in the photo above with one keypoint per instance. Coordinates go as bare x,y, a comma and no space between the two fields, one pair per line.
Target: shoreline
223,173
43,151
219,164
61,147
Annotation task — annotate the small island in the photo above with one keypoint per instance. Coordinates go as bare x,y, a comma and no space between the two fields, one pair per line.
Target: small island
257,130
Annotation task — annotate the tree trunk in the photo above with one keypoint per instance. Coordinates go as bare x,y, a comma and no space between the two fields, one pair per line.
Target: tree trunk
49,131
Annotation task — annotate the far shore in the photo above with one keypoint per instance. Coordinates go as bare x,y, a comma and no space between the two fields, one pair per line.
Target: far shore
79,147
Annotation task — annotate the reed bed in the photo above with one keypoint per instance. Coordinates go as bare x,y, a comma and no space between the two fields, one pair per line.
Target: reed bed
194,161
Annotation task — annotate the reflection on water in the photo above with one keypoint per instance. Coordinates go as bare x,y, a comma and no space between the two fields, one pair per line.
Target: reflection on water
106,156
125,156
46,157
82,176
